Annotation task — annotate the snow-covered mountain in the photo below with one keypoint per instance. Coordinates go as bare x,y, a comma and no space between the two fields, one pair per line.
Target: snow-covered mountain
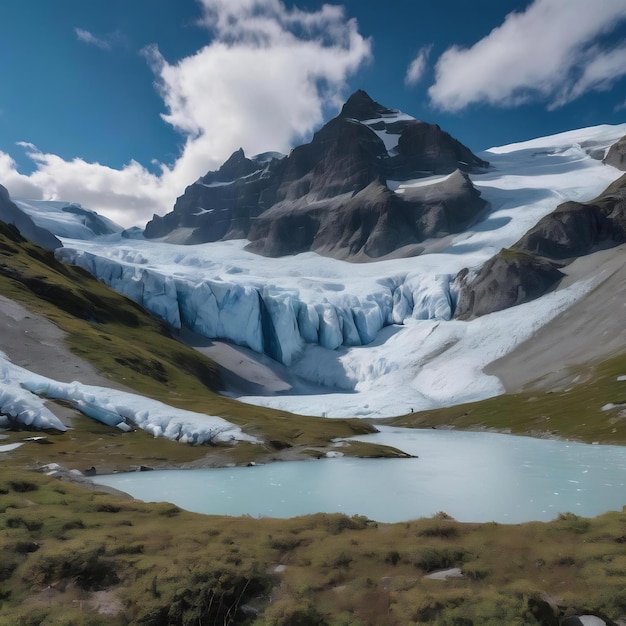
377,338
356,191
67,219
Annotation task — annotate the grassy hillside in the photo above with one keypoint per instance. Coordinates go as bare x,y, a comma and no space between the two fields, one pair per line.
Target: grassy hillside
69,556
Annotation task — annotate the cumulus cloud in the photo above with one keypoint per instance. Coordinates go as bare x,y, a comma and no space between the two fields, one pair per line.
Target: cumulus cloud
417,67
89,38
262,83
126,195
551,52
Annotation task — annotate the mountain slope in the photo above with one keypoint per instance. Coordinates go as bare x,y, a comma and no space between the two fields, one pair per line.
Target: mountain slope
334,195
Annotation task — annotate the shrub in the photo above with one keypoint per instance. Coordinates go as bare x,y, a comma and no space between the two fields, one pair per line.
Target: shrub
136,548
289,612
25,547
392,557
20,522
214,595
285,543
445,531
73,525
433,559
107,507
571,522
23,486
170,511
87,569
6,569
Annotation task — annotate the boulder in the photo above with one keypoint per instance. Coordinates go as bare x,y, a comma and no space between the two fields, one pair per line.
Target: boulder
509,278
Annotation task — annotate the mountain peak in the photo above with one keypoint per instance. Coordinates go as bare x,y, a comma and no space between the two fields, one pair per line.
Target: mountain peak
360,106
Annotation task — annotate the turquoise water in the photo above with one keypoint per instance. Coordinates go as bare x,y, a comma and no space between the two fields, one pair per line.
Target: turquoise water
471,476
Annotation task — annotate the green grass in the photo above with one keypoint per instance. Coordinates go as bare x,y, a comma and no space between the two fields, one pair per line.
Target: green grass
62,547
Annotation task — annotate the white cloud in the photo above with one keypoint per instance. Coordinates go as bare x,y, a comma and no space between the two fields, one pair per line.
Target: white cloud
417,67
127,196
549,52
262,84
86,37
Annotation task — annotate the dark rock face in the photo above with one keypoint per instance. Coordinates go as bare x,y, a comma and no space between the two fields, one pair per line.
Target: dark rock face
616,156
425,147
530,268
371,223
11,214
511,277
331,195
222,204
360,106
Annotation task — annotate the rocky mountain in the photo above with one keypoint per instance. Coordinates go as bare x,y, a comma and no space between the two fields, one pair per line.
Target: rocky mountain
11,214
532,266
616,156
337,194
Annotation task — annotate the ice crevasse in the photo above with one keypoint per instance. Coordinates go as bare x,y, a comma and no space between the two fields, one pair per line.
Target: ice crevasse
270,319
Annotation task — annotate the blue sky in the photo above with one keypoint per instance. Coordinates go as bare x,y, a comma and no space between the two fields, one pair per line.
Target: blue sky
119,105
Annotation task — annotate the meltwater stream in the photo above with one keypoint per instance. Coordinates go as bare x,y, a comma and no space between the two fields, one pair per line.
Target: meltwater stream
472,476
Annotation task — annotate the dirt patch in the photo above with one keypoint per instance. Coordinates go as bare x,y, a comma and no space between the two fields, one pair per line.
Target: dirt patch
589,331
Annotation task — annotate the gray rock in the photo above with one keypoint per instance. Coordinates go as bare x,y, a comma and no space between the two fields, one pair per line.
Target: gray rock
616,156
371,223
509,278
575,229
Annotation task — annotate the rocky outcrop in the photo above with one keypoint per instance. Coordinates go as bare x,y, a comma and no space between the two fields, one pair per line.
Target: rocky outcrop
331,194
530,268
369,224
509,278
11,214
616,156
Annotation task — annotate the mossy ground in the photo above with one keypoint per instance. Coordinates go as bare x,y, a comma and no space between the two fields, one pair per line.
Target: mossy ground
66,554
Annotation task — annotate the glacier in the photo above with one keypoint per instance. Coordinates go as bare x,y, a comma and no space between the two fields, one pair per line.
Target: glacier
23,395
378,337
217,301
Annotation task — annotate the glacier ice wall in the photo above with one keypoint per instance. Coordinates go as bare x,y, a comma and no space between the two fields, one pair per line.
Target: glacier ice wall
265,317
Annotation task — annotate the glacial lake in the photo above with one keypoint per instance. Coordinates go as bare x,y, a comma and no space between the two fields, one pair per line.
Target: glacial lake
475,477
